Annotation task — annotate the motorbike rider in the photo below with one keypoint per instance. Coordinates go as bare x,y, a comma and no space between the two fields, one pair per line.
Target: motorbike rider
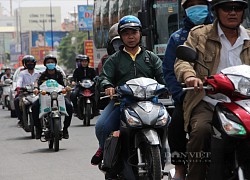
26,77
219,45
131,61
51,72
196,12
82,72
7,74
113,44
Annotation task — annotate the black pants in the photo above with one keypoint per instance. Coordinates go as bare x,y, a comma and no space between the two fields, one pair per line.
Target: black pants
35,113
17,108
177,136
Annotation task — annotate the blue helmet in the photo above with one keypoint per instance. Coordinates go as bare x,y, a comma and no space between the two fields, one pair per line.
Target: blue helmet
129,22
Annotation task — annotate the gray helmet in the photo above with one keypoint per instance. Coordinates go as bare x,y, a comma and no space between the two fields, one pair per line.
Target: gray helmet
113,31
218,2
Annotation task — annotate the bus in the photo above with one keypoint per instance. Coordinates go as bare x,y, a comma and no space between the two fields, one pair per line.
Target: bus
159,18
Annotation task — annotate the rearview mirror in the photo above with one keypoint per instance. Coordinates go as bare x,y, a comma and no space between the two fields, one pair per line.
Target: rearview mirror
186,53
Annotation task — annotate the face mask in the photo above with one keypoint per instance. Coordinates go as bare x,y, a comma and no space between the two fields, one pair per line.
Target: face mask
30,66
51,66
197,14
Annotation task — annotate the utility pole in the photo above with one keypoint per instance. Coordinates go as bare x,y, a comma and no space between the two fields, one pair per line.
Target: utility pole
51,23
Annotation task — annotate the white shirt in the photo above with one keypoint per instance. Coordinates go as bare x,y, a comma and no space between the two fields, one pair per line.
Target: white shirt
230,54
25,78
5,77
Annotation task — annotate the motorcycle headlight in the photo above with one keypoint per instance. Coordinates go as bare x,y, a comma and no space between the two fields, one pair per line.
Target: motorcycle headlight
231,127
164,118
244,86
54,95
132,121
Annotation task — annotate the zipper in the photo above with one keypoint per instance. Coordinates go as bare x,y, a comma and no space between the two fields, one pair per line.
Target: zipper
135,69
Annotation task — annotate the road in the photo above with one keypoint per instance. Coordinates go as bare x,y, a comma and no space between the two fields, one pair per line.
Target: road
23,158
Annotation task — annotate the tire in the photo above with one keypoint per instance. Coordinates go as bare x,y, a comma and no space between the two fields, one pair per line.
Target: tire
25,119
87,116
152,158
57,132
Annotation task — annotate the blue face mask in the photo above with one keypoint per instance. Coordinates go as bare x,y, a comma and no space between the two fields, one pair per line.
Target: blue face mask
51,66
197,14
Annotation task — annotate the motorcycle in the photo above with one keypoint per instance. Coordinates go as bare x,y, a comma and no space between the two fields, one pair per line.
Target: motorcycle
27,98
6,93
52,108
85,101
230,141
143,127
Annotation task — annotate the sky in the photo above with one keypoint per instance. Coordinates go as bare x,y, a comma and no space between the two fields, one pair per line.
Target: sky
66,5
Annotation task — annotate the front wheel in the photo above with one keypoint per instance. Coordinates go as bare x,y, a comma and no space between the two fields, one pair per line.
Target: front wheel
87,115
152,159
57,133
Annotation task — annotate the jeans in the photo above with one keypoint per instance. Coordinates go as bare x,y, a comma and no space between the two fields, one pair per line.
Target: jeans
108,121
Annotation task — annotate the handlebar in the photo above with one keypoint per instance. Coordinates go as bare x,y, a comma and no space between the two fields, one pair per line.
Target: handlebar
192,88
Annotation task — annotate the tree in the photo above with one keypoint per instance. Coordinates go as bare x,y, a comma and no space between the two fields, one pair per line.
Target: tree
68,50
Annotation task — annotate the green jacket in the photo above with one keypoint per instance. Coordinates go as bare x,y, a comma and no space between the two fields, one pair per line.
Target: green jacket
120,68
205,40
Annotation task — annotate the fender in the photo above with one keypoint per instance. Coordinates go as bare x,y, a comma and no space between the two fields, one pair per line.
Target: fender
55,114
148,135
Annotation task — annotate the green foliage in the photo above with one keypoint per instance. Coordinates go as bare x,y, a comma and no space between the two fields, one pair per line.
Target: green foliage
68,49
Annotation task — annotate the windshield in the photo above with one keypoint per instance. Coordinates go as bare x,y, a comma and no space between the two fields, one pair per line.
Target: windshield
166,15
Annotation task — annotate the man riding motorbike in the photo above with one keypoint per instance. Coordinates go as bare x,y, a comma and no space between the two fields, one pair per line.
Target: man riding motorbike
7,74
82,72
26,77
131,61
51,72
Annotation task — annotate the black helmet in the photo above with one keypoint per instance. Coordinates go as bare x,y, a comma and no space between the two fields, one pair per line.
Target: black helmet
129,22
219,2
47,57
81,57
28,58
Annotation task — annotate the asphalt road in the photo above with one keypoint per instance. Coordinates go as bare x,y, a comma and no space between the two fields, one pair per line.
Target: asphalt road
23,158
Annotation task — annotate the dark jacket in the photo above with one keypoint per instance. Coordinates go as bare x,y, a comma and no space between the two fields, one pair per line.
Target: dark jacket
119,68
176,39
83,73
45,76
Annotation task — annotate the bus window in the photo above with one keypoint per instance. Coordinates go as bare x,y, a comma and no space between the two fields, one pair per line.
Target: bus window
123,8
97,25
105,22
113,12
166,19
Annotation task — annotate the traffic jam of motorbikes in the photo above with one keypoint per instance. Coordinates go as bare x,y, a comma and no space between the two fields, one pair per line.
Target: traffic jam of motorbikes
181,115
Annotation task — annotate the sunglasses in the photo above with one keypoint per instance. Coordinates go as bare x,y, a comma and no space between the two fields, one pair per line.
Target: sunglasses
230,8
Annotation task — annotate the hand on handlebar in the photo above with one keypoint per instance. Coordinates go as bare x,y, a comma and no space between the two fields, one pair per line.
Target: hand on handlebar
110,92
194,82
36,91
